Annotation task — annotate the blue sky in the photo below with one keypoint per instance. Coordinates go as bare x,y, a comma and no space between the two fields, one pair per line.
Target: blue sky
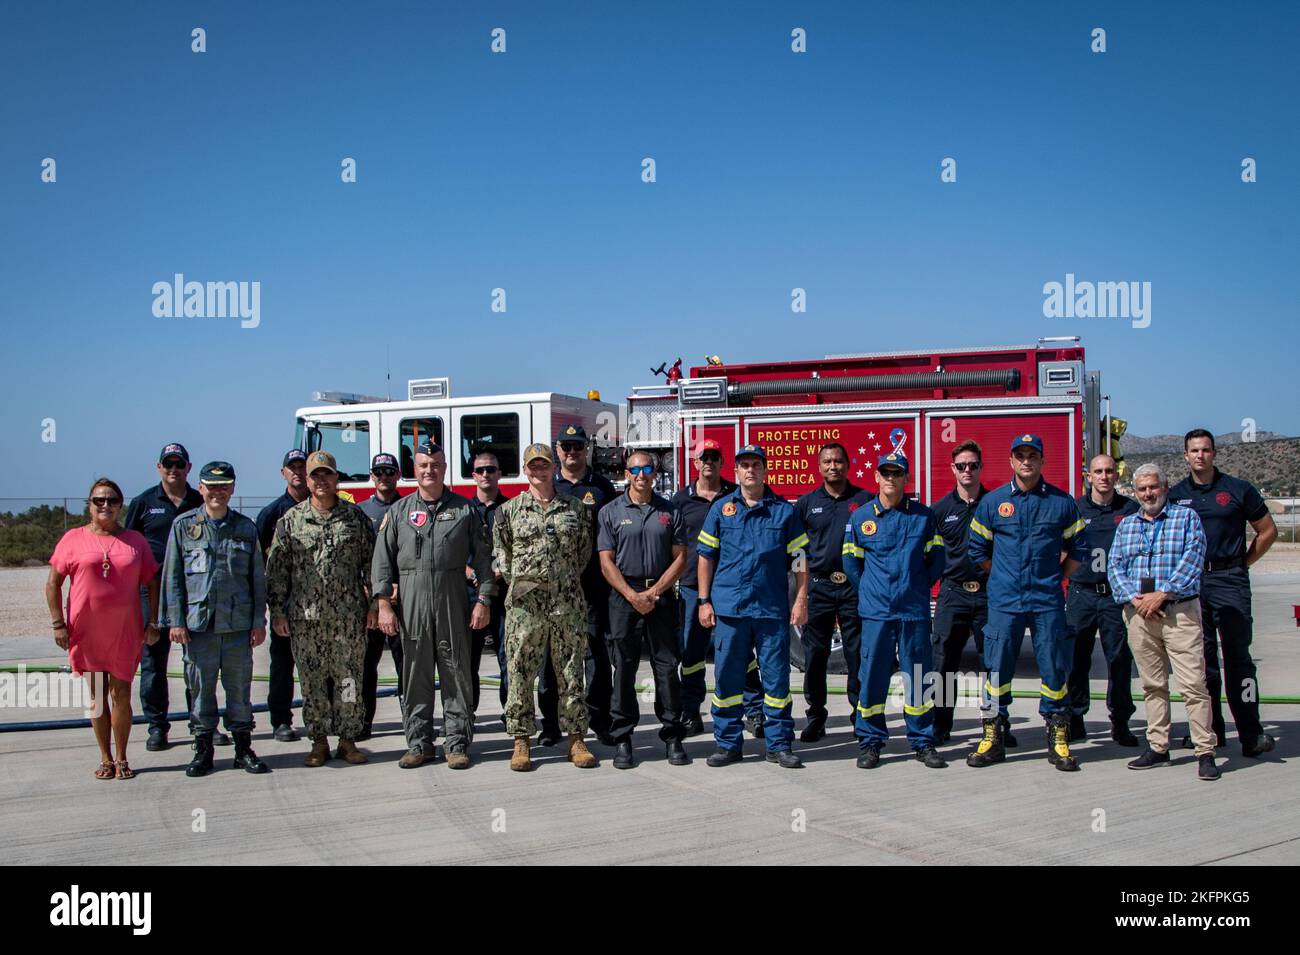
522,171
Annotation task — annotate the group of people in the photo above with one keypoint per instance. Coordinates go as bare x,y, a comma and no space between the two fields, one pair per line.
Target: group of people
571,579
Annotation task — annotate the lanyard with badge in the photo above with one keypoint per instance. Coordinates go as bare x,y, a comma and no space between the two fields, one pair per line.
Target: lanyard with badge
1148,584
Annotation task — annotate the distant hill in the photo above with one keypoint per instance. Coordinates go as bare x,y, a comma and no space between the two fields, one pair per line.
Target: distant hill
1173,443
1271,465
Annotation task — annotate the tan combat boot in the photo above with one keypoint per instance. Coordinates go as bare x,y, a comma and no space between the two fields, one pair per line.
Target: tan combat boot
519,760
320,752
349,753
458,759
579,755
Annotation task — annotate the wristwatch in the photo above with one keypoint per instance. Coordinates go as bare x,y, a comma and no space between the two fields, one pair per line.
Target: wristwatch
704,600
486,602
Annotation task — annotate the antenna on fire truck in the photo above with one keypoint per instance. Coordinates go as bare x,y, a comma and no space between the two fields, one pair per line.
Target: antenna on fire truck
388,370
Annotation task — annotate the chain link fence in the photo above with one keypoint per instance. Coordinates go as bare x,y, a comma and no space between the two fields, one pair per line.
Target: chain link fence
31,526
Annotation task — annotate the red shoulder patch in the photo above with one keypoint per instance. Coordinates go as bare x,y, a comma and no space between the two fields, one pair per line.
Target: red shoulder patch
1006,509
1223,499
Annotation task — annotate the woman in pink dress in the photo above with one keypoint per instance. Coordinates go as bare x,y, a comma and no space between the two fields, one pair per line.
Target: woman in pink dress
102,630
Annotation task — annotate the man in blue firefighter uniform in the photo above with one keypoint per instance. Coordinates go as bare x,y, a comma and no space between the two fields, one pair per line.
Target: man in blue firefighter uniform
897,542
1026,534
749,540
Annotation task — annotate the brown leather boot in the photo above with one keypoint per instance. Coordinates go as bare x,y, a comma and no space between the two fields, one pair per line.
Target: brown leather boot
519,760
320,752
458,759
349,753
579,755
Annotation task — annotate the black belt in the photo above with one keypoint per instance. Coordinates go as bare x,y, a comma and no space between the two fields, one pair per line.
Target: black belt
1225,564
1102,588
641,583
838,577
972,586
1174,603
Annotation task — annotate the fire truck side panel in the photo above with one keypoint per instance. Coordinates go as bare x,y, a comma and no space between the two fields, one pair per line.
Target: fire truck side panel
793,446
725,431
1059,428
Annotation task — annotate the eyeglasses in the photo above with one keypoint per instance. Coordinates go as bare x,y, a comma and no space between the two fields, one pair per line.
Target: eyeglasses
384,472
641,469
487,469
106,501
571,446
173,465
892,475
967,465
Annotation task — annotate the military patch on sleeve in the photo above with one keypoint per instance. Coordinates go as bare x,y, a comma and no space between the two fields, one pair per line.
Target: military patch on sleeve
868,528
729,509
588,498
1006,509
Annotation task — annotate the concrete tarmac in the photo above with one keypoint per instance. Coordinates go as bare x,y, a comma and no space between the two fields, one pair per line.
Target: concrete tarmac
52,810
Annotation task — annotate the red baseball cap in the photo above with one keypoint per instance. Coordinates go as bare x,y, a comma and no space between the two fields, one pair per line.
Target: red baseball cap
707,444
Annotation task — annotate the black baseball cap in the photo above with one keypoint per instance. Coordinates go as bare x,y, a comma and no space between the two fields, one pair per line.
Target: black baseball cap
383,460
291,456
173,450
572,434
217,473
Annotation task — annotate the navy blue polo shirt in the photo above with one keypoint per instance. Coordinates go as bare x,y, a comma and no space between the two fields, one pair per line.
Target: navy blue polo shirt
825,519
374,507
595,491
151,513
893,555
694,509
1099,523
1224,506
952,514
1024,532
267,518
753,548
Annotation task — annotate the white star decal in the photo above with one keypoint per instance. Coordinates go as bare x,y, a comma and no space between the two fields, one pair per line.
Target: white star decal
871,435
876,446
859,474
868,465
862,450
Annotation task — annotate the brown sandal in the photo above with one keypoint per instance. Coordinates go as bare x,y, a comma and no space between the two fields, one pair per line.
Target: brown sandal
124,771
106,771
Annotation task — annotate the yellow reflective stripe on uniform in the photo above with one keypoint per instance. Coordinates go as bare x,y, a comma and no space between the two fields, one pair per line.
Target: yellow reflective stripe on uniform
777,702
869,711
794,545
1051,694
917,710
1072,529
935,541
852,550
708,539
997,690
693,668
753,665
981,530
729,701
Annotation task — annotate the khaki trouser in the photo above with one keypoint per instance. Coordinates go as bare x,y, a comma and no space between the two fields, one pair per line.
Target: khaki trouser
1159,644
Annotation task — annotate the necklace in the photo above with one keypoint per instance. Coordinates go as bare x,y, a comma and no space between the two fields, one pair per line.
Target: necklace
106,565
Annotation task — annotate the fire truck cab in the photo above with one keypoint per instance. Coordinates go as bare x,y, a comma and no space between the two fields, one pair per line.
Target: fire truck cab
355,427
922,403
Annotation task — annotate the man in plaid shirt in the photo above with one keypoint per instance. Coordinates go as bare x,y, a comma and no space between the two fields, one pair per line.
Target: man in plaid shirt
1155,574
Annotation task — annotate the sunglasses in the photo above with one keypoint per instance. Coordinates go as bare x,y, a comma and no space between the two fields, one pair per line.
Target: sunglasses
106,501
893,475
641,469
571,446
385,472
967,466
173,465
711,457
487,469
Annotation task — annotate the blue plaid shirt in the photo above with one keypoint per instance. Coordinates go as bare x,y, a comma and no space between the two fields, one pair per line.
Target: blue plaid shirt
1170,547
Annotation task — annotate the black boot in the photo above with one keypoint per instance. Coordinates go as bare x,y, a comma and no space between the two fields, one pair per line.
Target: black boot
245,758
1058,744
1078,729
1009,741
1121,734
990,749
201,764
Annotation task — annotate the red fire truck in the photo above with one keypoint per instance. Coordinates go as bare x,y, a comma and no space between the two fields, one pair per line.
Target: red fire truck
922,403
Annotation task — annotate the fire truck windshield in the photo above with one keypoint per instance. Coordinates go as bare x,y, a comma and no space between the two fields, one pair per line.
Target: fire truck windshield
347,440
